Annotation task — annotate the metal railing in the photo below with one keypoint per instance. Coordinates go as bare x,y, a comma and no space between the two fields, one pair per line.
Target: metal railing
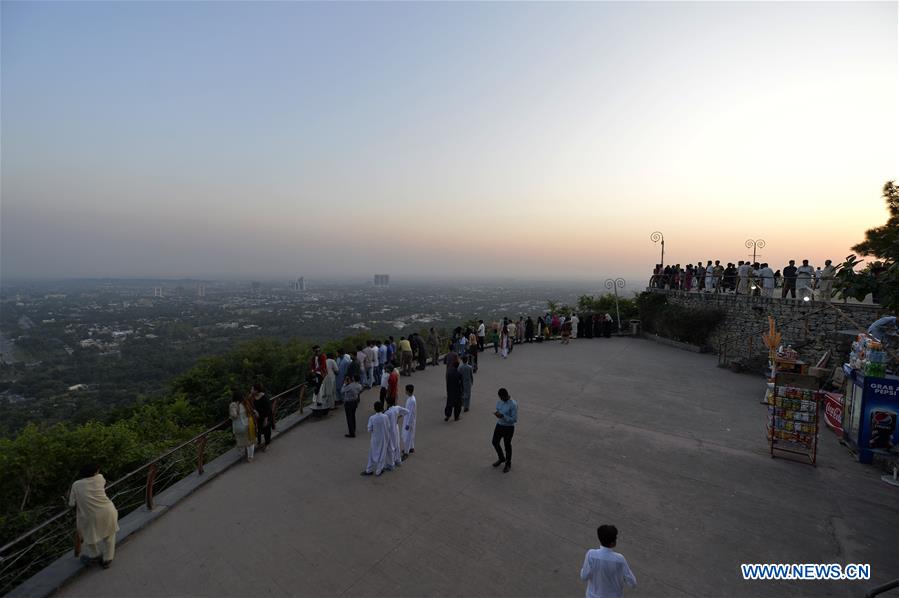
876,591
41,545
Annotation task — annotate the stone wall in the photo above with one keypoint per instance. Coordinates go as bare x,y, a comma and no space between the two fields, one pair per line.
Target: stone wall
810,327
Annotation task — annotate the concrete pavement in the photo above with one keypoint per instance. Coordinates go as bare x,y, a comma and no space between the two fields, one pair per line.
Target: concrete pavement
657,441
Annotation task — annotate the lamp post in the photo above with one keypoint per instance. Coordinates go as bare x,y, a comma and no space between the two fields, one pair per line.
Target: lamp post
658,237
615,284
755,245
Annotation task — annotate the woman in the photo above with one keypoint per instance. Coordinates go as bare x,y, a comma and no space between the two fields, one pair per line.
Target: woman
540,326
243,424
607,326
504,343
97,519
688,282
327,394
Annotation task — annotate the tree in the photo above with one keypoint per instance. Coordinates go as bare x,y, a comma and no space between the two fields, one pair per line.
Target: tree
879,278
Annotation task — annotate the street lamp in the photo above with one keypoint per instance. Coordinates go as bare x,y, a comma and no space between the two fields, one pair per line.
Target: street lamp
658,237
754,245
615,284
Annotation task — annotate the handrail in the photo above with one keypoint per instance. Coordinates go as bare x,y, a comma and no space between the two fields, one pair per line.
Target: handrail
128,475
890,585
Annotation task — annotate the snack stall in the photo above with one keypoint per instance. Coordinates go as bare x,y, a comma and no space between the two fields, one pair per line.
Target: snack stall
871,402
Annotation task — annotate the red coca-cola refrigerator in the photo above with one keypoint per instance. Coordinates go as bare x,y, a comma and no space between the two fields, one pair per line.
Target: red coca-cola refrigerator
870,411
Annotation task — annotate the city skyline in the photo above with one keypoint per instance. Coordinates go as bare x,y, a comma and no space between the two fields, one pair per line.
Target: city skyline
532,141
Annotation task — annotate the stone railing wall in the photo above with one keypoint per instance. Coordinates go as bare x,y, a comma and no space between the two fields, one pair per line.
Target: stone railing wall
811,327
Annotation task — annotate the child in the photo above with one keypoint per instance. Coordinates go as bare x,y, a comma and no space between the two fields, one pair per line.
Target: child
408,433
377,452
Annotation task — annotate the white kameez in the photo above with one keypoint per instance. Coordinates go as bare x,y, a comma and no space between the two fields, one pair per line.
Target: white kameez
96,518
327,394
574,321
377,452
394,453
709,279
804,276
408,431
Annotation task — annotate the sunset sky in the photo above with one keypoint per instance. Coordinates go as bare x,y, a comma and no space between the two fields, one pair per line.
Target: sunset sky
543,140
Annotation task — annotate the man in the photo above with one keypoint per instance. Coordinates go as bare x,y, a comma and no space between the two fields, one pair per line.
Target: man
393,383
405,349
606,571
804,276
719,276
766,278
710,277
409,420
263,406
371,362
453,392
511,328
742,278
377,451
343,367
376,358
434,345
825,284
382,358
391,350
789,274
482,333
700,276
507,415
363,369
422,352
351,390
394,451
529,330
467,373
574,322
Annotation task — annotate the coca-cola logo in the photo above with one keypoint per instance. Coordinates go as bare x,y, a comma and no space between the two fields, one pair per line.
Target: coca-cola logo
833,411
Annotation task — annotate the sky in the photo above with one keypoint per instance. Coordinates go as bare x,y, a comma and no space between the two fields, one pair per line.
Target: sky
538,140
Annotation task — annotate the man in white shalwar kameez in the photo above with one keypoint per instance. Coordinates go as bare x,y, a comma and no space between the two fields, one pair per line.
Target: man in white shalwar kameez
743,278
766,277
96,517
804,277
377,452
394,452
709,278
825,282
408,432
574,321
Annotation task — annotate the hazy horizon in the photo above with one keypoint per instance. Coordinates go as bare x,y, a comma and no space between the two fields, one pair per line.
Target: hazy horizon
451,140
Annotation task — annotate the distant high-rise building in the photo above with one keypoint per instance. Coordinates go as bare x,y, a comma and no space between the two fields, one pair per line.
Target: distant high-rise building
157,291
201,290
300,284
382,280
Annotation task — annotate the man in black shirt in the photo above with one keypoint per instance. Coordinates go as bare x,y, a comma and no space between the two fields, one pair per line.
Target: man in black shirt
789,275
263,406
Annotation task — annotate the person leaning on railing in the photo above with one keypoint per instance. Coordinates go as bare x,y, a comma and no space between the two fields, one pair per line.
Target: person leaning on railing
96,517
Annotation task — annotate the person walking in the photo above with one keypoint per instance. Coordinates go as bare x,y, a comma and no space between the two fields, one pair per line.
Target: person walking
96,517
482,333
377,451
507,415
263,406
243,424
467,373
409,420
606,571
453,392
351,390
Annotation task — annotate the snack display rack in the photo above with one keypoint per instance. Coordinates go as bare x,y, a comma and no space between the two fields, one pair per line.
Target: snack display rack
793,417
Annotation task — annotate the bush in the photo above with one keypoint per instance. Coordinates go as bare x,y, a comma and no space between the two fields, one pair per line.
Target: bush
678,323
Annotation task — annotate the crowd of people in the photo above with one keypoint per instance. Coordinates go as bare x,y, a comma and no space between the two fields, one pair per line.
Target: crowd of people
343,377
745,278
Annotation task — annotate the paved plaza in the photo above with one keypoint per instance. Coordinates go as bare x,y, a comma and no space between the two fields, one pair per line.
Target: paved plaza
655,440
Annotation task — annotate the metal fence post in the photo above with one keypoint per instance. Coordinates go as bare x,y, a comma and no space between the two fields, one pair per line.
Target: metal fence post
151,477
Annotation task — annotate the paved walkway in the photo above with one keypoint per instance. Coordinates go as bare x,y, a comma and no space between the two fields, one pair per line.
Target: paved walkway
658,441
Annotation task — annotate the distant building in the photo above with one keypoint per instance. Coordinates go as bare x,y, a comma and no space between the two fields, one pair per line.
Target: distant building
300,284
201,290
382,280
157,291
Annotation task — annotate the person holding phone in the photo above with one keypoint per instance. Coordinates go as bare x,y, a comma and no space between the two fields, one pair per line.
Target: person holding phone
507,416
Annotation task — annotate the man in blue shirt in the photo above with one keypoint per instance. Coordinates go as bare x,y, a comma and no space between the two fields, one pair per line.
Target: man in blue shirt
507,414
